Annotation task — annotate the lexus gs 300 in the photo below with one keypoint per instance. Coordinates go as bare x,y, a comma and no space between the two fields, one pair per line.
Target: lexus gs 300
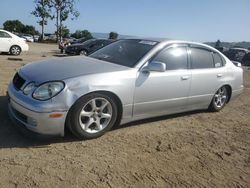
128,80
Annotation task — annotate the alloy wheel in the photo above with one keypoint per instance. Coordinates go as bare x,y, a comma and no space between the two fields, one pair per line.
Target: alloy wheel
220,97
15,50
95,115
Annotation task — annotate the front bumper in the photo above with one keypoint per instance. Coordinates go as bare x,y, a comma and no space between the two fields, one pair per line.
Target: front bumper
71,51
38,122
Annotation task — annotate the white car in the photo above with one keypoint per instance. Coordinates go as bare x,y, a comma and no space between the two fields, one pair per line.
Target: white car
29,38
12,43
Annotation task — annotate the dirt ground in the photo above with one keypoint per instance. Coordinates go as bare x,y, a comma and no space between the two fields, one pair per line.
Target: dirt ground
197,149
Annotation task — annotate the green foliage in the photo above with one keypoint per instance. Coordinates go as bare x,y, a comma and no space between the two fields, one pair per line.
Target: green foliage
65,32
113,35
82,34
43,12
19,27
29,29
63,9
218,43
13,26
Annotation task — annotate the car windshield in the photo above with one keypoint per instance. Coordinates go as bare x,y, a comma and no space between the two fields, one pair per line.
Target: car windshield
124,52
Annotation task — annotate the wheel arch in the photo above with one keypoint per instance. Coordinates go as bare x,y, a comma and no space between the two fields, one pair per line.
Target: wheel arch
229,90
17,46
112,94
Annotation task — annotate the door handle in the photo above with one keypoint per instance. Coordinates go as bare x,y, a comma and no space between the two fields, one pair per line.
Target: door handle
219,75
185,77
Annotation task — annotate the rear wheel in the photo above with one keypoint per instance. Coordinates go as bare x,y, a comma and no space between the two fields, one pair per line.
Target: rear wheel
92,115
219,100
15,50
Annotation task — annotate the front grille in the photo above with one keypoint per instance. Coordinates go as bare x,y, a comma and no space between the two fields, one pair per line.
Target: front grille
20,116
18,81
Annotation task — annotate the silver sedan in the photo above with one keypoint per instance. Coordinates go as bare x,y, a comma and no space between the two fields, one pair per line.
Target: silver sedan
128,80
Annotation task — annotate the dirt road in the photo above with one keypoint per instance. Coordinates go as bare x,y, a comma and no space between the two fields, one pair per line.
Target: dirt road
198,149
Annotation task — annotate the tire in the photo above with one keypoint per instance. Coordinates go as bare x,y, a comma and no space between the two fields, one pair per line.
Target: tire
92,115
15,50
83,52
219,100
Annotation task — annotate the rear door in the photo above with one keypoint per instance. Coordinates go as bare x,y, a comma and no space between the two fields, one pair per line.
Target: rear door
208,74
5,41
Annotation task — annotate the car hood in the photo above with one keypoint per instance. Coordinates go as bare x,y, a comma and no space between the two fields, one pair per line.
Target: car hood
68,67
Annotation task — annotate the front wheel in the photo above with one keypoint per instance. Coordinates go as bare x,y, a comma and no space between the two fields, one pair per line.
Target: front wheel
15,50
83,52
219,100
92,115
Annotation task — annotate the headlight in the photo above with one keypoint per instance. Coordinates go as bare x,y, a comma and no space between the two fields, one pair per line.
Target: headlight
28,88
48,90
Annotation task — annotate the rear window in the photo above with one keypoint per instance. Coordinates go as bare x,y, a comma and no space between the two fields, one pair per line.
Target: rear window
217,60
4,35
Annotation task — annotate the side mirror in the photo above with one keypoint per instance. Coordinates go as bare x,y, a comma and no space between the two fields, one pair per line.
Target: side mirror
155,66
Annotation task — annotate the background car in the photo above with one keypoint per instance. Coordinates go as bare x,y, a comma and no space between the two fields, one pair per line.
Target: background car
12,43
246,60
79,41
125,81
236,54
27,37
36,38
87,47
70,41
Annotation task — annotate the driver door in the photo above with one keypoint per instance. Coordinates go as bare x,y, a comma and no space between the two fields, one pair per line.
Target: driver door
158,93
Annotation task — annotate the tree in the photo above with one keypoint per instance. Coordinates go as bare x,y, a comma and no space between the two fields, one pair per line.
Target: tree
29,29
65,32
63,9
13,26
82,34
217,43
43,12
113,35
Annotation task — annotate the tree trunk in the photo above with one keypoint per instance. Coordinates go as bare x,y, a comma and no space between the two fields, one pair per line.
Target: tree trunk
60,27
57,25
42,37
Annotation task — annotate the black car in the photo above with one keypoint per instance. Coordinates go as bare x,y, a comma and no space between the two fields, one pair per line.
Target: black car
80,40
246,60
236,54
87,47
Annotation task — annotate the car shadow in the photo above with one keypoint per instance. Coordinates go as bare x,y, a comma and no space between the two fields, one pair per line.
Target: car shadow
5,53
60,55
14,137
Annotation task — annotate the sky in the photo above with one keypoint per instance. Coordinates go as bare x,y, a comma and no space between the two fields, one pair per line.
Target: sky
195,20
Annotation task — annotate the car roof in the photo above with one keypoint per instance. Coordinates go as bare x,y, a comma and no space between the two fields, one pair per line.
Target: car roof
244,49
171,41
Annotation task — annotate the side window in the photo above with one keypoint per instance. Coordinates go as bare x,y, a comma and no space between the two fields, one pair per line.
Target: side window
201,58
217,60
4,35
174,58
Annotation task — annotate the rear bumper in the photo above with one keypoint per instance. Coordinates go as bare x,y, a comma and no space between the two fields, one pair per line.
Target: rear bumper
39,123
25,47
236,93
